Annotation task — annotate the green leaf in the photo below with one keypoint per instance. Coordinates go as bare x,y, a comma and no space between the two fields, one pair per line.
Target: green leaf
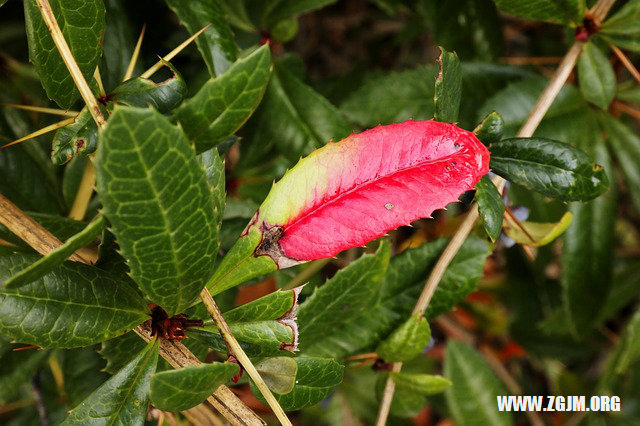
224,103
625,354
159,204
407,341
16,369
82,23
295,117
278,373
143,92
490,206
283,9
622,29
472,398
596,76
61,227
556,11
216,44
549,167
536,234
586,254
57,256
397,292
423,384
179,390
625,145
73,305
285,30
345,296
264,327
316,378
123,399
490,129
77,138
120,350
80,368
393,97
22,181
72,178
117,47
448,88
214,171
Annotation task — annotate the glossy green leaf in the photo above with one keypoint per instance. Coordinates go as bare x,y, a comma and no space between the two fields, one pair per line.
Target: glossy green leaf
214,171
622,28
316,378
80,369
397,292
282,9
490,129
82,23
224,103
285,30
345,296
393,97
549,167
472,398
79,137
448,88
143,92
536,234
556,11
279,373
56,257
159,204
272,306
16,369
295,117
407,341
73,305
119,42
625,144
586,254
423,384
179,390
490,206
123,399
596,76
216,44
22,181
120,350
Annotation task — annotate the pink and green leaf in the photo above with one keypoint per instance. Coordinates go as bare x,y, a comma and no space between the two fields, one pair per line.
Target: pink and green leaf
348,193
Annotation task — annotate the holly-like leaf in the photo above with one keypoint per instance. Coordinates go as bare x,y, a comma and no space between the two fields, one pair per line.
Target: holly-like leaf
398,291
622,28
278,373
347,295
143,92
351,192
77,138
159,204
472,398
56,257
407,341
224,103
82,23
625,145
586,255
216,44
490,129
295,117
179,390
73,305
214,171
265,327
549,167
316,378
596,76
490,206
448,88
536,234
556,11
122,399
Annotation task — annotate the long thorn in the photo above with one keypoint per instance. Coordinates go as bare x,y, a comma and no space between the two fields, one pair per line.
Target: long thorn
134,56
70,62
83,196
45,110
242,357
42,131
148,73
96,75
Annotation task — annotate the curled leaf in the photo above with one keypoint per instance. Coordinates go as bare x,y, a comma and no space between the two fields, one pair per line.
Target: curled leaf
348,193
536,234
78,138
